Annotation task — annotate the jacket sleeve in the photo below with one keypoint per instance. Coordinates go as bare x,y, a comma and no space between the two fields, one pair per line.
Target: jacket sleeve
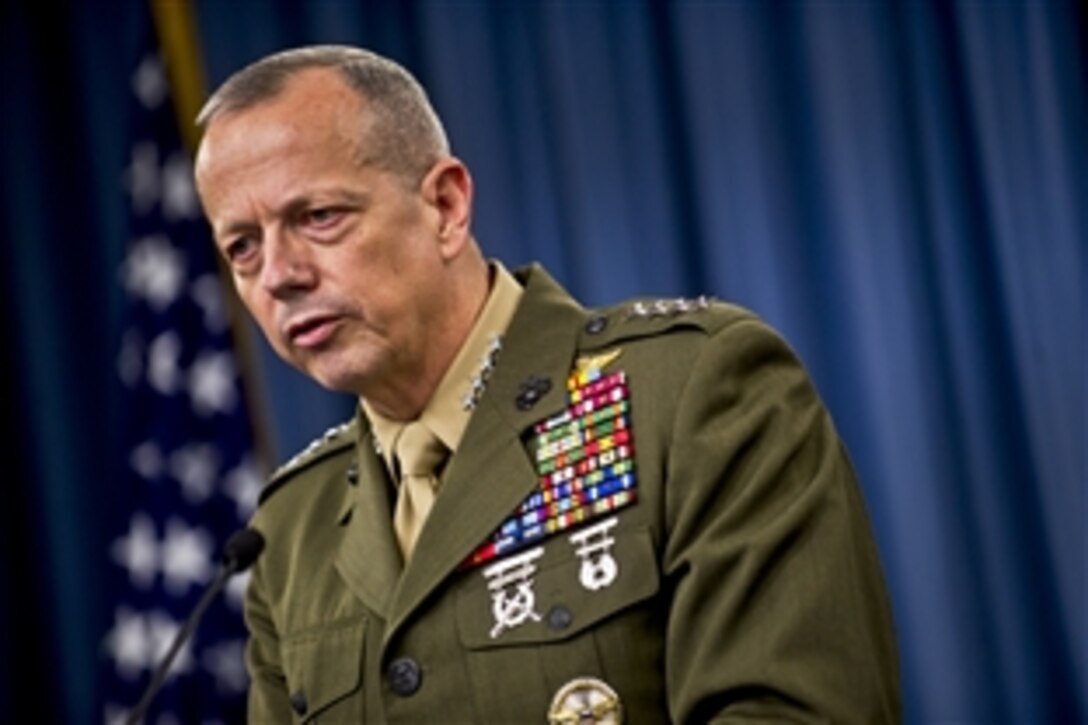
268,699
778,610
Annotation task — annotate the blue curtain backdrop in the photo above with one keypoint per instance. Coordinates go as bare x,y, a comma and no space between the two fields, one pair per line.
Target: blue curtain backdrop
899,187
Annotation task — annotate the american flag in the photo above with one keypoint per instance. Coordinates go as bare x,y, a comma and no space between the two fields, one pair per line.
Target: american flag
189,474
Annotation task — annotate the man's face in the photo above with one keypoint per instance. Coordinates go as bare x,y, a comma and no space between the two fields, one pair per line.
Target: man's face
341,264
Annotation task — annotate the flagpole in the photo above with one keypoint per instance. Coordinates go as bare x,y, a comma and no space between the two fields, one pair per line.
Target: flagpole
175,24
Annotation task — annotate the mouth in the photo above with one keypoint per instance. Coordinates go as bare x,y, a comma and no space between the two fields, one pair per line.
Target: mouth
312,331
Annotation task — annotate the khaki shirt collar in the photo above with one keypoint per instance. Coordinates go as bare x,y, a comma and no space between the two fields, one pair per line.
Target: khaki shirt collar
446,413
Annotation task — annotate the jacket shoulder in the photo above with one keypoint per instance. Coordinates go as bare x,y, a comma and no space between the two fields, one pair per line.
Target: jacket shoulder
648,317
334,441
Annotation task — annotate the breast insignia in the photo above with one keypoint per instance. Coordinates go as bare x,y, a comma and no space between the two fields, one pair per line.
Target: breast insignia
585,701
585,460
597,362
513,600
599,568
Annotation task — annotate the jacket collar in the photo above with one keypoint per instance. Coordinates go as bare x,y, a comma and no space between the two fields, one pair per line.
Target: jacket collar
491,474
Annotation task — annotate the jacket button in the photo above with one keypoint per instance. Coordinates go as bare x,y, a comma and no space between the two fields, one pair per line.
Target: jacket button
559,617
353,474
404,675
298,703
596,324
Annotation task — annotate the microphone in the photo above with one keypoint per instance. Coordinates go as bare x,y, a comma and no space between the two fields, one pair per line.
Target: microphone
239,553
242,549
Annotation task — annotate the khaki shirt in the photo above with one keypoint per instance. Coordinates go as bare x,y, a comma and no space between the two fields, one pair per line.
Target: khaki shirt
738,581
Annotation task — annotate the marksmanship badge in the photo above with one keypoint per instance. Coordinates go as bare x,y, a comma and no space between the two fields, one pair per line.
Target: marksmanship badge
513,601
599,567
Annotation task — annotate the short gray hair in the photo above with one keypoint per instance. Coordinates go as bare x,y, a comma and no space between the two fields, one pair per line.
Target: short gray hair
402,133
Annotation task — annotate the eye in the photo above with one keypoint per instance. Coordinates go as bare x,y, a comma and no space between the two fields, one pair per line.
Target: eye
240,250
322,217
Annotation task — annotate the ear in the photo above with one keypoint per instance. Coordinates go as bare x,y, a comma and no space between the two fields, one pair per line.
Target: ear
447,187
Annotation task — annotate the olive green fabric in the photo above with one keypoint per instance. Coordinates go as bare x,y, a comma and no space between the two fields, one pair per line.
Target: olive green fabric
748,582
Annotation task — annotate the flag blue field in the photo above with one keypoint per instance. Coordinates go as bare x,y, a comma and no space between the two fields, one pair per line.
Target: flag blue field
188,469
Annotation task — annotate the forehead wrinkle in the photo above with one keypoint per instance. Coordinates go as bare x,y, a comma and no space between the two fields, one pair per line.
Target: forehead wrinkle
296,126
296,203
286,125
321,197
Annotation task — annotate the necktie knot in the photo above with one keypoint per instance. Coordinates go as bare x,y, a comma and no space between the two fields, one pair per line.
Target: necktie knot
419,451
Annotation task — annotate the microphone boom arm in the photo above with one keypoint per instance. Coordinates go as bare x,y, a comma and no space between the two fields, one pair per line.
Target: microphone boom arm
241,550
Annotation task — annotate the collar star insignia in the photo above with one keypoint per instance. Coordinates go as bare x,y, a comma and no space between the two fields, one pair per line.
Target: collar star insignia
478,382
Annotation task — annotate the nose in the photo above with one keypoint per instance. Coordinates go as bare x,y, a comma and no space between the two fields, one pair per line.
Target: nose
287,267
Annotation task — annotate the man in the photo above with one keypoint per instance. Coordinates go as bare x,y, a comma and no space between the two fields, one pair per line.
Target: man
540,512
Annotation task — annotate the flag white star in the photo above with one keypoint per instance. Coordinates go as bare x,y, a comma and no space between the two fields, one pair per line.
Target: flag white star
149,81
128,643
226,662
138,551
178,195
161,630
163,372
243,484
142,176
155,271
115,714
207,292
211,383
236,590
186,556
146,460
194,466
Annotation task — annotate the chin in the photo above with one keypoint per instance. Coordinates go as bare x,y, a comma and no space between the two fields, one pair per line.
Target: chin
338,380
342,371
337,383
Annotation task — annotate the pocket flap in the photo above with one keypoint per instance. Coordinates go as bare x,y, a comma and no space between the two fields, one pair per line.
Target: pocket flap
562,606
325,665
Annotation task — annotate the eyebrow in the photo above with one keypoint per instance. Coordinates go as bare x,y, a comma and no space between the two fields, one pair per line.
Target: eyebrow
295,205
335,196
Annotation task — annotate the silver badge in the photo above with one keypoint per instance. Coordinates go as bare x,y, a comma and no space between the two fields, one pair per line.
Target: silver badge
599,567
513,601
478,382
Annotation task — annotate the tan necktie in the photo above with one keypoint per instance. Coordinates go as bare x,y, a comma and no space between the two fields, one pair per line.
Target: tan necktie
419,454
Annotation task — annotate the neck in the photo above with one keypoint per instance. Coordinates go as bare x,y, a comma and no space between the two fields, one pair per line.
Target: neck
405,397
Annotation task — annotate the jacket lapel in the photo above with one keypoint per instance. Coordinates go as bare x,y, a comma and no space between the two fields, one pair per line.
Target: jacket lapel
491,474
369,560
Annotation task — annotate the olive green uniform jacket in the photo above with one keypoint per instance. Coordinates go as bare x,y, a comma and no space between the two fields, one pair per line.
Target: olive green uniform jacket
748,585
